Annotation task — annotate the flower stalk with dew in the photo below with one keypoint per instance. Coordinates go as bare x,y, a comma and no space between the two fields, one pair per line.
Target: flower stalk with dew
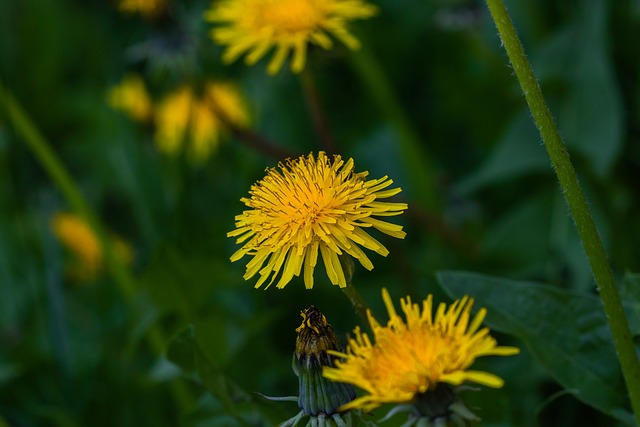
417,363
256,26
577,202
313,206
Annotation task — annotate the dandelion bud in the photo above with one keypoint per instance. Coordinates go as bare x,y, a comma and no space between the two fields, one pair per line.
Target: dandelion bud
318,395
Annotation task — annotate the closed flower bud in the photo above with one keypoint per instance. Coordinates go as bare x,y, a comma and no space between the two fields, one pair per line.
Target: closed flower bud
318,395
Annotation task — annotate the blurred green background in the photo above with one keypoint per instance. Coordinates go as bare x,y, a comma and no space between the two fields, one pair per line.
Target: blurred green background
430,100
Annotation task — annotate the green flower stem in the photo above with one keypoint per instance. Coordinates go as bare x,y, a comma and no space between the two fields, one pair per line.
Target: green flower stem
317,112
62,179
357,301
349,267
576,200
253,139
420,167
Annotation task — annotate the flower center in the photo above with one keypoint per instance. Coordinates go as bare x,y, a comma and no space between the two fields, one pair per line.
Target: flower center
314,207
291,16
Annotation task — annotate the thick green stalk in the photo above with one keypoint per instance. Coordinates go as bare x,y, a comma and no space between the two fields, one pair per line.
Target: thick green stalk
327,140
62,179
576,200
351,292
357,301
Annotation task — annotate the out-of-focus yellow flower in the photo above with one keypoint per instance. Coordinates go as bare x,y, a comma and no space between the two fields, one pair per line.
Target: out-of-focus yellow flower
313,205
410,359
172,117
185,117
130,96
147,8
256,26
77,237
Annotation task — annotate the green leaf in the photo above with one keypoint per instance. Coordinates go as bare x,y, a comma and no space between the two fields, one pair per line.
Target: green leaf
181,350
521,235
185,351
630,293
576,72
518,152
566,332
590,111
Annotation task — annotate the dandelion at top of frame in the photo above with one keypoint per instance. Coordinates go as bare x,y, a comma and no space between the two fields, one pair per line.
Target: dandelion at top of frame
256,26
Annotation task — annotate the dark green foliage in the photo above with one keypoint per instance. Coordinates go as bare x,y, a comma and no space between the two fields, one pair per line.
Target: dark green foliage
442,115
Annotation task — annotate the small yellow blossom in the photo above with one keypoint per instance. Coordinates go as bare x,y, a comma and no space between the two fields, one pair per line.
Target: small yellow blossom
184,116
77,237
256,26
413,357
313,205
130,96
147,8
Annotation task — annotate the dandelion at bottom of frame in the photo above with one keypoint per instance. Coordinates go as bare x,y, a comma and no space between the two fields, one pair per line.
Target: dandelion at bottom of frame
420,361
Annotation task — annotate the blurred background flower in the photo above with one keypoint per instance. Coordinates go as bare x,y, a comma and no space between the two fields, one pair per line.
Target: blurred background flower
195,123
83,244
130,96
147,8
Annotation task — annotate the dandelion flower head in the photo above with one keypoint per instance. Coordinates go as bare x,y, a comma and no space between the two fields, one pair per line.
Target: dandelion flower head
313,205
130,96
256,26
413,357
186,116
81,241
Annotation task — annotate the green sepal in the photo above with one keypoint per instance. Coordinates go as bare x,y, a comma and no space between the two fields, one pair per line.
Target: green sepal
318,395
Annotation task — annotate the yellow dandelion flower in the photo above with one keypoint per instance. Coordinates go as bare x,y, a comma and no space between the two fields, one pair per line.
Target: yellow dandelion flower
78,237
147,8
313,205
413,357
130,96
256,26
184,116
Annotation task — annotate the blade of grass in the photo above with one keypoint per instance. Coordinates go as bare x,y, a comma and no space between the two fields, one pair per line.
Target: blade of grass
65,184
